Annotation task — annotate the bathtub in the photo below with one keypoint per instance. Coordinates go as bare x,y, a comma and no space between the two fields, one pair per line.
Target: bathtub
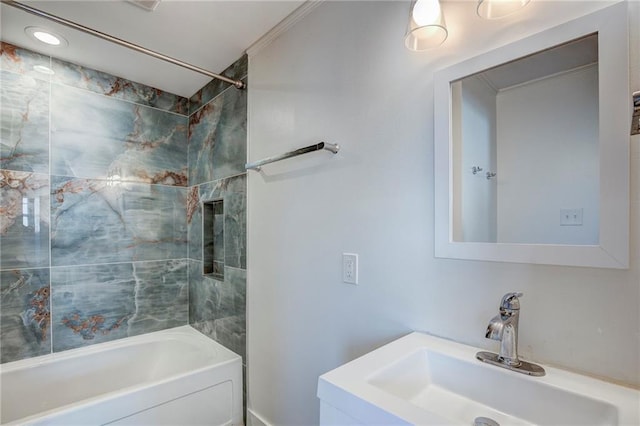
171,377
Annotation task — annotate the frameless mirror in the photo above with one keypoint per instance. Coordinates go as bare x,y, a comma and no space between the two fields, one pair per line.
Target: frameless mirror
532,148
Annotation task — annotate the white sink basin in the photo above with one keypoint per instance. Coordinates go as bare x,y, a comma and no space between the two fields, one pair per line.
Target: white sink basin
424,380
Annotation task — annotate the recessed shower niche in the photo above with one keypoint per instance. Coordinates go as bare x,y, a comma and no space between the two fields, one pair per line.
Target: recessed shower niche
213,239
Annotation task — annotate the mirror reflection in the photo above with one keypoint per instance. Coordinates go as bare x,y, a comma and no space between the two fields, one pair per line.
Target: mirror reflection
525,149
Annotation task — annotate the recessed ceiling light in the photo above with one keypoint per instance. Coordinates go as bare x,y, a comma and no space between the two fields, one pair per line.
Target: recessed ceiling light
46,36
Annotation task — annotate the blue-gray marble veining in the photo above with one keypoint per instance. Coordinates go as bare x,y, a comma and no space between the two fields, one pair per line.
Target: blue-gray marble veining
121,213
24,314
24,123
218,138
98,303
194,223
233,191
237,71
116,87
93,136
95,221
23,61
217,308
24,220
120,196
217,154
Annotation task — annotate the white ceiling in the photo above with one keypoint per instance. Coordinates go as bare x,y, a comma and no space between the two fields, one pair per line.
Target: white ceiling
569,56
210,34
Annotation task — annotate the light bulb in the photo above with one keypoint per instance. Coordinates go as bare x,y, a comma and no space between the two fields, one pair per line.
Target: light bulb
47,38
426,28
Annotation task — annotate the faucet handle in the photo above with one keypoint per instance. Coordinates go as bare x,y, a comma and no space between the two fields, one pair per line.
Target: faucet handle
510,301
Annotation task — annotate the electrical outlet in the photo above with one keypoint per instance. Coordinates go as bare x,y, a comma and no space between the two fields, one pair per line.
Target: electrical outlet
571,217
350,268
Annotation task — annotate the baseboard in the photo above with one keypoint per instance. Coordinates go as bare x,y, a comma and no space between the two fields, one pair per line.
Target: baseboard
255,420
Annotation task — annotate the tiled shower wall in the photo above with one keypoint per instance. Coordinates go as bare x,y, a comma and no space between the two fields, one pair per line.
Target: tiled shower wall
93,240
94,231
217,155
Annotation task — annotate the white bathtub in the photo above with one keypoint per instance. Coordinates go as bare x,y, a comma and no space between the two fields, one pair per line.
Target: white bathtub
171,377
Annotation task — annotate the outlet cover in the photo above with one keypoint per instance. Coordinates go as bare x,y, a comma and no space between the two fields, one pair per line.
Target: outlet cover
571,217
350,268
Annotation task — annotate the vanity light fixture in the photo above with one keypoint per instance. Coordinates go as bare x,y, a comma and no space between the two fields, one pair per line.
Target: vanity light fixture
495,9
426,28
46,36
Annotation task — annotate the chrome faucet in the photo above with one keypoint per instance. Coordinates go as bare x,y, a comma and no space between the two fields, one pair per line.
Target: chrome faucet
504,328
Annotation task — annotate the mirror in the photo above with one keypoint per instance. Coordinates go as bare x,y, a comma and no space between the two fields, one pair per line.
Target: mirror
532,148
525,149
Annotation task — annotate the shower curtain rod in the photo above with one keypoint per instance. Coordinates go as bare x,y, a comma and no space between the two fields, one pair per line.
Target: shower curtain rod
237,83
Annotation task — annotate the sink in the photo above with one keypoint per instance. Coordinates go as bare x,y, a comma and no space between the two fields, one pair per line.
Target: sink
426,380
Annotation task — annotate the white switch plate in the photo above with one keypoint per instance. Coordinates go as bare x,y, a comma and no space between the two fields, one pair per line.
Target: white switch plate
570,217
350,268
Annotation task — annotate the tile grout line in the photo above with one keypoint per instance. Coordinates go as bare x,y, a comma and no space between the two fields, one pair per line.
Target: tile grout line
82,265
51,304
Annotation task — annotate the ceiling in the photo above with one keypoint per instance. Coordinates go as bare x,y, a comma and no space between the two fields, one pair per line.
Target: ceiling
566,57
210,34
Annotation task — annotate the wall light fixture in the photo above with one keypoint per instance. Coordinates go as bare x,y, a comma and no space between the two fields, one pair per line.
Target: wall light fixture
426,28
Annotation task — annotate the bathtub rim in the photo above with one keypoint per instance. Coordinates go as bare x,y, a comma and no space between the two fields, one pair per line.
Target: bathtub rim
180,331
224,357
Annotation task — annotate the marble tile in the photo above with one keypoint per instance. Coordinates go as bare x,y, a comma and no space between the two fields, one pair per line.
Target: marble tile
22,61
97,221
218,234
194,223
218,138
161,294
237,71
218,308
99,303
233,192
24,314
231,332
213,238
24,220
235,230
116,87
24,123
93,136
